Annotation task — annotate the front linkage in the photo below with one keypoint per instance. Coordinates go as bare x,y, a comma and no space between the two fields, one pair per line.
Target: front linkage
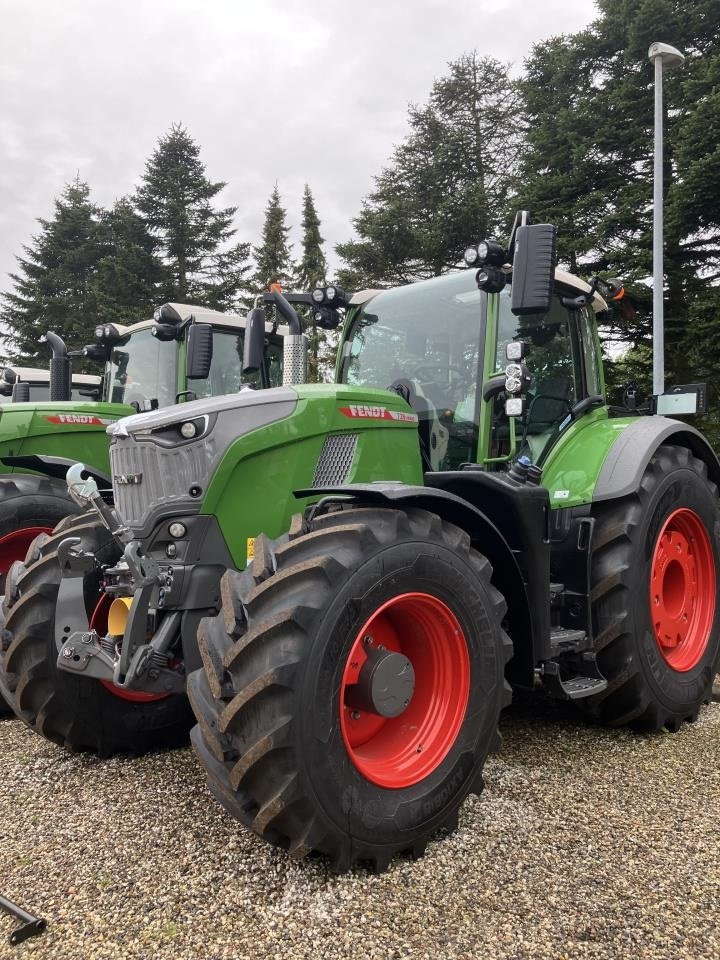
134,663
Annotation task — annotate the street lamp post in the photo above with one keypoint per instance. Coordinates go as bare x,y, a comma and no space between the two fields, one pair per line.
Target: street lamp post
664,57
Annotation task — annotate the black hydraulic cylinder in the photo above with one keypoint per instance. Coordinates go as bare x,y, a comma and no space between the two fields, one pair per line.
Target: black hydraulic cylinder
31,926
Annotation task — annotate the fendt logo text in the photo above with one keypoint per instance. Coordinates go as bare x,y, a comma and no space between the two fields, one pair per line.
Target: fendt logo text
85,419
361,411
127,479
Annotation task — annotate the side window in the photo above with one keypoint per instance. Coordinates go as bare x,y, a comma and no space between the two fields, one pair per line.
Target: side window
593,377
226,367
553,359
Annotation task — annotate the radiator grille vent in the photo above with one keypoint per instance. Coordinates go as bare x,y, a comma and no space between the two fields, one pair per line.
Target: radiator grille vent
336,460
167,474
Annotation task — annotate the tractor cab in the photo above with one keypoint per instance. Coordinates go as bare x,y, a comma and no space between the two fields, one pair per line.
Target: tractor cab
442,344
186,352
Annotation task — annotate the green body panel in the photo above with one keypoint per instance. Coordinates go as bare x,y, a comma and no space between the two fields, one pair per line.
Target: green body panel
74,431
572,466
261,469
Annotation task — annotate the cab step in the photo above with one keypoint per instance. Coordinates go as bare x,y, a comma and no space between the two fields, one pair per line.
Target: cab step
566,640
587,682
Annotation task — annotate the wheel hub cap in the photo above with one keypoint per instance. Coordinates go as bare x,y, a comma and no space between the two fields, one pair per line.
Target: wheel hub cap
682,589
404,690
385,684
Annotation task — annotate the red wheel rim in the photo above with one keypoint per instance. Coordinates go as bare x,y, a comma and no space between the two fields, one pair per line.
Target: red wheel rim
682,590
399,751
14,546
98,622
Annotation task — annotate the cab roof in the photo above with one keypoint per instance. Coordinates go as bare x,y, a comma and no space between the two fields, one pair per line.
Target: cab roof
38,375
561,276
202,315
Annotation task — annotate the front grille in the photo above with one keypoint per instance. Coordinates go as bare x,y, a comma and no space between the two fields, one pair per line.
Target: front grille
336,460
166,475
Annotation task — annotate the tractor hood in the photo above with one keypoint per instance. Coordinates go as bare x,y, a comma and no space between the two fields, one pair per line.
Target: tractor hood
64,431
245,403
167,463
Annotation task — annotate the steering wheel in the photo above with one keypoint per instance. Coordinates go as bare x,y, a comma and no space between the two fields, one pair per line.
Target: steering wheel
449,387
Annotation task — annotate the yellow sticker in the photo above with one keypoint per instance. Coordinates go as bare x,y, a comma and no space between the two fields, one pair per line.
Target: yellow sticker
251,548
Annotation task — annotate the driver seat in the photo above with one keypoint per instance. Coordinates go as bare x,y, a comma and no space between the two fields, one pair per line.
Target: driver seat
432,436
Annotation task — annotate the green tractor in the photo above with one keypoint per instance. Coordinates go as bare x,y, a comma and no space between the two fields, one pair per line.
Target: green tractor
32,384
185,352
459,514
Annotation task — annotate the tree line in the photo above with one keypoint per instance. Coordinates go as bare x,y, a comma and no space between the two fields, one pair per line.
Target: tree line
570,139
168,241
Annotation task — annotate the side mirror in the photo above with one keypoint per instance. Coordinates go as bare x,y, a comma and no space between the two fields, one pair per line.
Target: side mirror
254,342
199,351
534,257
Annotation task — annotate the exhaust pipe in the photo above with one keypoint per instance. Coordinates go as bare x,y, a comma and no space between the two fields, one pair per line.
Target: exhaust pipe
295,345
60,369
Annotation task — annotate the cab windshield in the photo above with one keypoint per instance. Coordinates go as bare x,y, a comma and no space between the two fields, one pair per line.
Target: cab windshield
424,340
141,368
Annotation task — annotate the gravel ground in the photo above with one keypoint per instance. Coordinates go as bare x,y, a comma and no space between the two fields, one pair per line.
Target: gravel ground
586,843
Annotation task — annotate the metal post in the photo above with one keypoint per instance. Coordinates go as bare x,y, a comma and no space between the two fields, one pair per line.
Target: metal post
664,57
658,274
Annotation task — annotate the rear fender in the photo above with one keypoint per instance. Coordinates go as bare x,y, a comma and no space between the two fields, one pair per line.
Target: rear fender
631,452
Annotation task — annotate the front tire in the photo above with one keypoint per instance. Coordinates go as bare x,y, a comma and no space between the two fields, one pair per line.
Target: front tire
655,603
77,713
290,746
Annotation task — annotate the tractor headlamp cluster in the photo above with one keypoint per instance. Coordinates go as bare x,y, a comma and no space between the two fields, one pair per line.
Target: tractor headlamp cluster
486,252
182,431
168,323
330,296
517,379
490,279
107,333
489,257
326,301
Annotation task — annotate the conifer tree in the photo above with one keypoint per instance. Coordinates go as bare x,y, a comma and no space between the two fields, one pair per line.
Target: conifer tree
311,272
272,256
54,287
130,277
447,184
176,199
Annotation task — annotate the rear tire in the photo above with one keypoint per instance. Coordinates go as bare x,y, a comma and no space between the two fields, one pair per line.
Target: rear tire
78,713
660,667
28,505
272,730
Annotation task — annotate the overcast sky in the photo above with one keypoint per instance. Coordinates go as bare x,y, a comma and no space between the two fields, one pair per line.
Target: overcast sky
291,91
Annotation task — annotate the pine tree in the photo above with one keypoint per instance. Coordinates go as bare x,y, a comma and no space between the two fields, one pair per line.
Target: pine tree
448,183
176,200
55,285
130,278
272,256
310,273
589,100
